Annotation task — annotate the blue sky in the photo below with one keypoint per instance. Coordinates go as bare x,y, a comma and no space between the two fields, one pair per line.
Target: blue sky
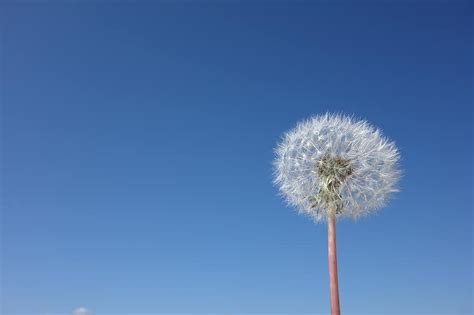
137,143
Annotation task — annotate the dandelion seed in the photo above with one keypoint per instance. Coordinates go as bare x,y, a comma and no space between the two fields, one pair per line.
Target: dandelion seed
340,143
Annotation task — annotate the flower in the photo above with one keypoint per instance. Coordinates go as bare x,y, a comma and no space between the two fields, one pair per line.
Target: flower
334,162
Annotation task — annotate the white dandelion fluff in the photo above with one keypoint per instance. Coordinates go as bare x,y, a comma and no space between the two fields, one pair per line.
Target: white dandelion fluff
335,162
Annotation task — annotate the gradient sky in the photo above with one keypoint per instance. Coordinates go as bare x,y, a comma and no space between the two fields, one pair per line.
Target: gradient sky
137,143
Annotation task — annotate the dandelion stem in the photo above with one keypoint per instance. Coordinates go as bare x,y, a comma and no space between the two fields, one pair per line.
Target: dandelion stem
332,260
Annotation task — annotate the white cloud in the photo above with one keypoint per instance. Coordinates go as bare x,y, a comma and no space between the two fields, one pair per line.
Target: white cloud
81,311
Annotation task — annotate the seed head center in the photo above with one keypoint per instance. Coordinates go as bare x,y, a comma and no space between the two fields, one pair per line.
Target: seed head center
332,171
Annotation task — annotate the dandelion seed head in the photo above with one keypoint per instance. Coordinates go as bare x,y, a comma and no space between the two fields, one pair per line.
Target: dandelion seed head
335,162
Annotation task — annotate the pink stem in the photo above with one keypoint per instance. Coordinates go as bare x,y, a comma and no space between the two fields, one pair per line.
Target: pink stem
332,260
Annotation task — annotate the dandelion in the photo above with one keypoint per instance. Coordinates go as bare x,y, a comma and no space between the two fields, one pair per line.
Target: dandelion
332,166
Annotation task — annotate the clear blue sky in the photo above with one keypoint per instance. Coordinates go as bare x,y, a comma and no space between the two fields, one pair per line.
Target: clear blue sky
137,143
